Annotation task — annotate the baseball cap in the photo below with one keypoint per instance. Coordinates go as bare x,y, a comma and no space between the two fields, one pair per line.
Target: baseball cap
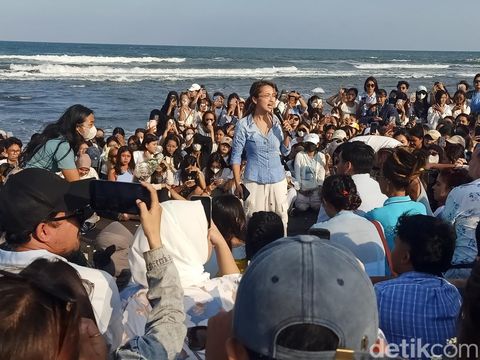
311,138
32,195
194,87
434,134
339,134
456,139
226,140
422,88
304,280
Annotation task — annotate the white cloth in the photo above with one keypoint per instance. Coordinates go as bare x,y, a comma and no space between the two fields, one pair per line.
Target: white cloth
184,234
360,236
103,296
369,191
465,110
267,197
309,172
433,117
92,174
377,142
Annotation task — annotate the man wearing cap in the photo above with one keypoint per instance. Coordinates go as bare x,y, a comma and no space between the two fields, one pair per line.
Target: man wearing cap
356,159
41,214
295,302
462,209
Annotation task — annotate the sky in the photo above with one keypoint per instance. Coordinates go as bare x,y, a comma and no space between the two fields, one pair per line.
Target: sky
348,24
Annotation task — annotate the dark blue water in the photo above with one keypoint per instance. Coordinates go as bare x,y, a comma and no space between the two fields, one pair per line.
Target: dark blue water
122,83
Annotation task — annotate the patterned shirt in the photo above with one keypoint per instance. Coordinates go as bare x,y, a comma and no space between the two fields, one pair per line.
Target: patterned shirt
462,210
419,306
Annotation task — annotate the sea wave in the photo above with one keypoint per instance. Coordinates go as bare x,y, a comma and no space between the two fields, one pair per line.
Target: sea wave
83,59
399,66
131,74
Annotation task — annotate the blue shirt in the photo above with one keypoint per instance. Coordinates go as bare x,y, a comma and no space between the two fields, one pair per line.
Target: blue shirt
475,102
420,306
263,151
54,156
392,209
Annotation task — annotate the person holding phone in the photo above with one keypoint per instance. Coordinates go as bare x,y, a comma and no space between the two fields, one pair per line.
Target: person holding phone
263,137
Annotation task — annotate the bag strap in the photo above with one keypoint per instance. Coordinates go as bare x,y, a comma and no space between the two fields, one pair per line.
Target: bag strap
388,254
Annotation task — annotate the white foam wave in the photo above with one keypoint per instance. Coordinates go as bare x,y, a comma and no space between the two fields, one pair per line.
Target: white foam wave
83,59
400,60
130,74
399,66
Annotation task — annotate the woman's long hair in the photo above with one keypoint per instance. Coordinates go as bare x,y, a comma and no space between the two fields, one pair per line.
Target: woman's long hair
64,128
118,166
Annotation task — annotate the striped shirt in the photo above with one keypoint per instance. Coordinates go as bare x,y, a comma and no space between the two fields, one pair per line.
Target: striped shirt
419,306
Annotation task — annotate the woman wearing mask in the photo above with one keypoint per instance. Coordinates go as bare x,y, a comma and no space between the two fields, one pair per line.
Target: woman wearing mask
310,169
54,149
191,178
218,177
263,137
421,105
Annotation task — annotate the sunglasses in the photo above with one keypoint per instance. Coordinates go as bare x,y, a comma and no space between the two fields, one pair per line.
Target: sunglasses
370,85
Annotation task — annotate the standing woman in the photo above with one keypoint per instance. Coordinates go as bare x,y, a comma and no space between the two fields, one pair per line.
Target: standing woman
54,149
261,135
124,166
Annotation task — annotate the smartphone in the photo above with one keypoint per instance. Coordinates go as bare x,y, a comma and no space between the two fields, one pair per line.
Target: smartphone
207,206
319,232
373,128
246,193
117,196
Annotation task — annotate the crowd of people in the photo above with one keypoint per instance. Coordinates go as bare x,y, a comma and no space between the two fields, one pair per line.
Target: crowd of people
393,255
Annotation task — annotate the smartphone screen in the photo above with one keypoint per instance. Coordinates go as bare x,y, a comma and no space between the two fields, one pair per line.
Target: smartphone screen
117,196
207,206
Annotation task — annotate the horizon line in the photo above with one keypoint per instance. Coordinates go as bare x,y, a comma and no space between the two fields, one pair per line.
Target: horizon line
235,47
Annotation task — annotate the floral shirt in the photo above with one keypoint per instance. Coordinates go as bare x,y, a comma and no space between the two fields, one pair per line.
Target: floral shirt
462,210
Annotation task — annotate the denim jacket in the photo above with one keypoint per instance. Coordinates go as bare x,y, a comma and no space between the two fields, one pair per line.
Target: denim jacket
263,151
165,330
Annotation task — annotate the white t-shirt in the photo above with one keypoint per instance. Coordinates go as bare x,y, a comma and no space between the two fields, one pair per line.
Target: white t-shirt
309,172
360,236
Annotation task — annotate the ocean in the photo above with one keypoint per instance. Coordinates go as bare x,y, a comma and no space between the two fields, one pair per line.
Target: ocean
123,83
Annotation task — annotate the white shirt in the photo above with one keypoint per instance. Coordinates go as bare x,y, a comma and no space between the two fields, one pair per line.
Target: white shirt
104,296
377,142
369,191
309,172
360,236
433,117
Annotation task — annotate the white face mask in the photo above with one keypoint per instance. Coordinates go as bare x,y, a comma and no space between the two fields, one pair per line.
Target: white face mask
421,96
215,170
89,134
189,137
209,122
301,133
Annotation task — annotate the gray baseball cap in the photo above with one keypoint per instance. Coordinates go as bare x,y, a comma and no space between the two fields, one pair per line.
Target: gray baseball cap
304,280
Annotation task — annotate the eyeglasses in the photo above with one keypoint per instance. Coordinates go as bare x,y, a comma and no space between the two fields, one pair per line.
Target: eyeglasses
370,85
